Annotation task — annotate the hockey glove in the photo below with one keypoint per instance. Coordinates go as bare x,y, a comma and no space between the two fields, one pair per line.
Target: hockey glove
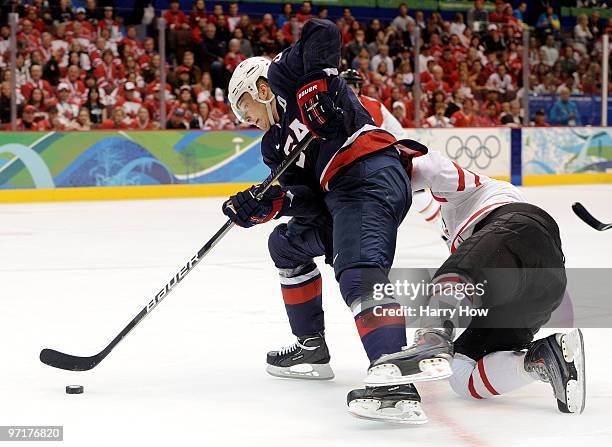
245,210
317,107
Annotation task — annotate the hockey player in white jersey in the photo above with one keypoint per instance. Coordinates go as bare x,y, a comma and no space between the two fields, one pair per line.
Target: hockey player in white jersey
498,239
422,201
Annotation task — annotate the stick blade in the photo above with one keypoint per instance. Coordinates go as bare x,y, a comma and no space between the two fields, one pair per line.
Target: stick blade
587,217
68,362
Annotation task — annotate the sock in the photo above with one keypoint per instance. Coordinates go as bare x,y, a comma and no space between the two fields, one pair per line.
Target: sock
382,331
496,373
302,295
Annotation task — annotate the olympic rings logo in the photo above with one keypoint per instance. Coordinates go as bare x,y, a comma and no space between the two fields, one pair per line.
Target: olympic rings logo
473,151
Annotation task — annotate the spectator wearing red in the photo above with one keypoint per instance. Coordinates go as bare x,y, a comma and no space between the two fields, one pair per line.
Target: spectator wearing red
152,102
448,63
148,51
399,112
53,121
36,81
26,122
109,23
109,72
305,12
143,120
490,116
198,14
131,41
117,121
40,103
32,14
128,100
291,30
539,119
81,25
28,36
95,54
233,56
76,85
465,117
67,107
437,82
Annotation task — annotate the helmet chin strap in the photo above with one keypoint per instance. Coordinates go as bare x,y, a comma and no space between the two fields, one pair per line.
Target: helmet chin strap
268,104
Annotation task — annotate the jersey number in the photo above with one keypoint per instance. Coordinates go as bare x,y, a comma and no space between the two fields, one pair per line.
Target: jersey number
300,131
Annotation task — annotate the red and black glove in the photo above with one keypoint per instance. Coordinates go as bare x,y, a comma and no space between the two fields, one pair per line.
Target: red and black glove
245,210
319,113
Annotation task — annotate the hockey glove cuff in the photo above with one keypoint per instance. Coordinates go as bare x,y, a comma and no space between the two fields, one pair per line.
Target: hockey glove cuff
246,211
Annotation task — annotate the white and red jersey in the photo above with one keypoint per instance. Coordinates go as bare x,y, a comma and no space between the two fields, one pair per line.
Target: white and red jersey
382,117
129,106
465,196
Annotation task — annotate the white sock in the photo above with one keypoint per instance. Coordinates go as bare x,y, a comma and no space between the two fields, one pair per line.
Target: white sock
494,374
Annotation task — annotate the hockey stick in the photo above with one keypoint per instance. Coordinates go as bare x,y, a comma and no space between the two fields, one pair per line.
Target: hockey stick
69,362
588,218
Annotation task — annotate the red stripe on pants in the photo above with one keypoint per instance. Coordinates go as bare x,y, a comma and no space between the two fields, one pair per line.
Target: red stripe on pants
473,392
485,379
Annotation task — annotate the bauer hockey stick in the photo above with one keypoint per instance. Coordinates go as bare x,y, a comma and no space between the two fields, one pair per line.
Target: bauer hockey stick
588,218
69,362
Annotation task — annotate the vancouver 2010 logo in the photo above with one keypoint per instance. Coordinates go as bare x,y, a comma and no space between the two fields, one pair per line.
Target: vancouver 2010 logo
474,151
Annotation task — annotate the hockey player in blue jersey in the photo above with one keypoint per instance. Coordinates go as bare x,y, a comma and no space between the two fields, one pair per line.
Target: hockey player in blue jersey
347,195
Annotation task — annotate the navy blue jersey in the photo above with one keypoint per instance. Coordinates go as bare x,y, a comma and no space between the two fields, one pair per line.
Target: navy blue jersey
318,49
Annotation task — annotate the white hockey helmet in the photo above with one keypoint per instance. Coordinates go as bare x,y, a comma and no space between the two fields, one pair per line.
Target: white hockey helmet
244,80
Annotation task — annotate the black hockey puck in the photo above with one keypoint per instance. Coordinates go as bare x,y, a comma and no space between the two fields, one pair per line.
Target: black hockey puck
74,389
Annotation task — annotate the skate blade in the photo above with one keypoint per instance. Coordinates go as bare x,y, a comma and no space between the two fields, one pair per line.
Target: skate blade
572,345
404,411
436,368
307,371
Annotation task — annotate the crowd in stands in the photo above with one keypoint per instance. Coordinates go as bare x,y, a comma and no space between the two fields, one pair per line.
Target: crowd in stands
96,67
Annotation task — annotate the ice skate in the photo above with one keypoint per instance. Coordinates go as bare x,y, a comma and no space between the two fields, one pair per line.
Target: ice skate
397,403
427,359
307,358
559,360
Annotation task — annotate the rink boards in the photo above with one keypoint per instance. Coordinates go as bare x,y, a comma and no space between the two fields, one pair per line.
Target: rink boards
101,165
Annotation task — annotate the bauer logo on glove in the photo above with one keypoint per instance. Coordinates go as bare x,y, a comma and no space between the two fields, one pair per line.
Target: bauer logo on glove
317,108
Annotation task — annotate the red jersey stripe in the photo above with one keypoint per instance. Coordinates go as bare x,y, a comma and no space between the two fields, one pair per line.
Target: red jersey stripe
429,219
472,390
461,181
364,144
485,379
299,295
439,199
471,219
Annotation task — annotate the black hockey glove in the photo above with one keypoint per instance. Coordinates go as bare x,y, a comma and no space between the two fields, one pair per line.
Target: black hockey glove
245,210
319,113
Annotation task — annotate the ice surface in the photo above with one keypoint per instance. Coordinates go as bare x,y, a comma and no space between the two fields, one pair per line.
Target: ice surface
193,373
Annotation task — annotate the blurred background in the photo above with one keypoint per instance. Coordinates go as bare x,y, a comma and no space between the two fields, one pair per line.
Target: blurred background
81,65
